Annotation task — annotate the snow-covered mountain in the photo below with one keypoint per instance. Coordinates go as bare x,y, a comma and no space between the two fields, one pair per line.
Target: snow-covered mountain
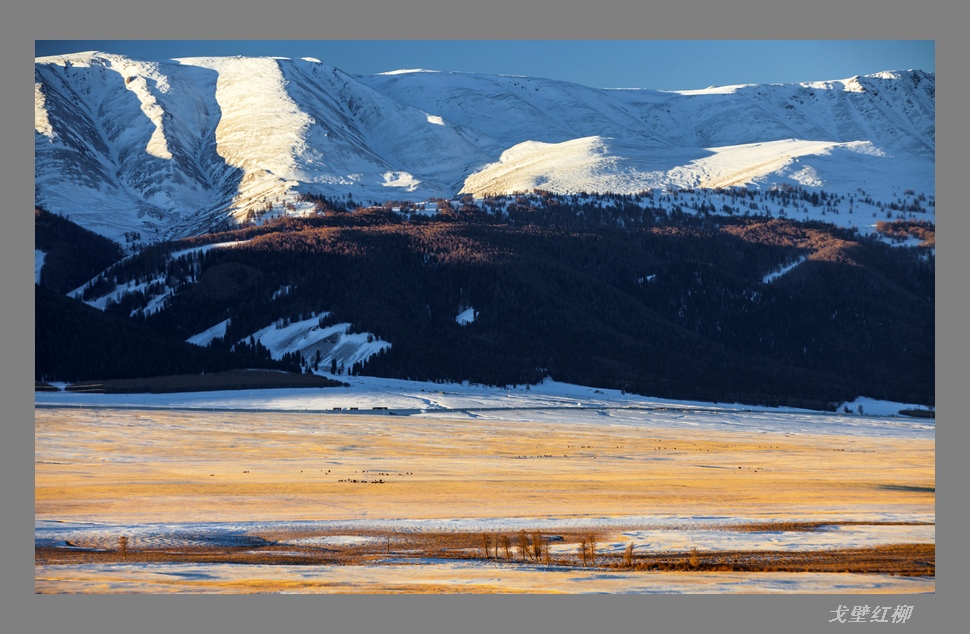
167,149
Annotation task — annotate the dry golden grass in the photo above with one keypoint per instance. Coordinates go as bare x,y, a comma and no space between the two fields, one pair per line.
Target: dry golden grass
127,466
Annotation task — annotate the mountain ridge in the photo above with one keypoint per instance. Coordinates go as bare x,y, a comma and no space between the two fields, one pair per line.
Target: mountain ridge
168,149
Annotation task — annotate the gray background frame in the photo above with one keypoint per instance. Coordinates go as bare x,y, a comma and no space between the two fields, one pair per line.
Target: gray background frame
22,611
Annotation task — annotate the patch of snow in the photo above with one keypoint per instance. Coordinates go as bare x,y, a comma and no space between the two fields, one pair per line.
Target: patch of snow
865,147
308,338
406,71
886,74
401,179
426,208
159,298
334,540
205,337
737,165
42,122
206,247
466,316
38,264
872,407
581,164
853,85
771,277
156,303
712,90
101,303
713,538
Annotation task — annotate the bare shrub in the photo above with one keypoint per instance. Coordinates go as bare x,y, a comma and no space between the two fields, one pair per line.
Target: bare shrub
506,546
537,546
523,539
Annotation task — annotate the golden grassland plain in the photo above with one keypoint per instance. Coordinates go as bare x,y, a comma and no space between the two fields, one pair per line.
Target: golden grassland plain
140,466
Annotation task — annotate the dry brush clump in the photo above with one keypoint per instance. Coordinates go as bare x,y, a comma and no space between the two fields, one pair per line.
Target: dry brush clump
694,560
901,559
123,547
506,542
527,546
587,549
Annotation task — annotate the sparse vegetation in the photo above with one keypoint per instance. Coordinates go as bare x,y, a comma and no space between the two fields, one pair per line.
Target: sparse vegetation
506,542
628,556
902,559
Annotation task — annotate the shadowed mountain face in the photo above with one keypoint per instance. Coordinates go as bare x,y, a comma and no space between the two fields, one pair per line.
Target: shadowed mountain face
170,149
731,310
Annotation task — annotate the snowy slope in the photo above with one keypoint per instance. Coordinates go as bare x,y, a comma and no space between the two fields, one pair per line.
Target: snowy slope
841,129
169,148
157,286
325,344
128,145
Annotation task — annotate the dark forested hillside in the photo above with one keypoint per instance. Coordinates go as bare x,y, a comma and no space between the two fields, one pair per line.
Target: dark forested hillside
74,342
679,307
73,255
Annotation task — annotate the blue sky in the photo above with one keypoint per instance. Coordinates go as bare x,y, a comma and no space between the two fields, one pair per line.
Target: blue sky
667,64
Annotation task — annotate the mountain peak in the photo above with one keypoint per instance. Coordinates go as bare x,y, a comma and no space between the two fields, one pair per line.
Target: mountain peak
169,149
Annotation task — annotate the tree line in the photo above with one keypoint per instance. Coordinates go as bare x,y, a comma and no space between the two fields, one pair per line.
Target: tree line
672,305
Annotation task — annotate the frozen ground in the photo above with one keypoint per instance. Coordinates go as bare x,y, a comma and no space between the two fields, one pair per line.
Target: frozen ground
656,533
283,470
448,576
549,401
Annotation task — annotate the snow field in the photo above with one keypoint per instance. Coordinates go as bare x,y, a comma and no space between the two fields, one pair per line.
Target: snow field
171,146
549,401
